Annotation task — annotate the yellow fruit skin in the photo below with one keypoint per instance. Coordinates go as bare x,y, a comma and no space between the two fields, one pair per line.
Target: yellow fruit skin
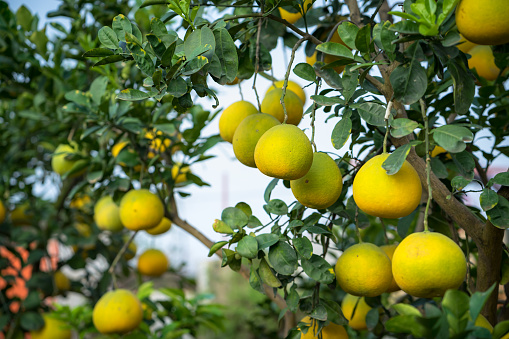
62,283
107,217
483,61
483,22
358,321
322,184
232,116
364,270
117,311
386,196
439,150
247,135
2,212
284,152
140,210
161,228
465,45
293,17
331,331
389,251
328,58
19,215
426,264
53,329
152,263
61,165
292,86
271,104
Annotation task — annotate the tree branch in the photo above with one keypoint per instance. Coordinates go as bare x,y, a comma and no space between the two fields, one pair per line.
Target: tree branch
384,16
355,13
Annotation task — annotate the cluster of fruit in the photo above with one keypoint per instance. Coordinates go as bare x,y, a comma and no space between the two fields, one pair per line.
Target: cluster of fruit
279,150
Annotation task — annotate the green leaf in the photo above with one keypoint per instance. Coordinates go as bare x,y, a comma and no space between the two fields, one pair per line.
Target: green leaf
221,227
109,60
31,321
108,38
465,163
24,18
227,54
267,276
234,217
255,280
198,40
157,45
488,199
500,179
452,137
334,313
384,37
276,206
304,247
131,94
283,258
341,132
372,318
371,112
78,97
97,52
402,127
478,300
143,60
318,269
339,50
218,245
499,215
456,304
348,32
121,25
266,240
292,300
405,324
269,189
98,89
459,182
253,222
248,247
409,80
326,101
394,162
330,76
195,65
305,71
168,55
406,309
177,87
363,40
464,87
501,329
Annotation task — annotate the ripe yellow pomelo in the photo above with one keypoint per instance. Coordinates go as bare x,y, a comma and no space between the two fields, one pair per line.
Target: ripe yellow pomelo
62,283
179,173
464,45
483,61
140,210
152,263
247,135
117,311
284,152
107,217
386,196
161,228
81,202
322,184
59,162
53,329
389,251
331,331
426,264
232,116
328,58
356,320
483,22
20,216
364,270
440,150
2,212
271,104
292,86
294,17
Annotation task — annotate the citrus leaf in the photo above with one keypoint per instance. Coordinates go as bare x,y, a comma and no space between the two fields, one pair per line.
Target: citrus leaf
409,82
248,247
318,269
97,52
452,137
339,50
394,162
216,247
221,227
488,199
348,32
131,94
283,258
266,240
477,301
303,246
108,38
227,54
464,86
402,127
267,276
341,132
305,71
371,112
327,101
499,215
234,217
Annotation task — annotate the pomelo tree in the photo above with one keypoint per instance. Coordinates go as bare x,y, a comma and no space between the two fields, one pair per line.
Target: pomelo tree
129,94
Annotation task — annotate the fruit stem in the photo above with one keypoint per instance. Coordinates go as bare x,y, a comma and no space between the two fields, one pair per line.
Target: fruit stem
313,115
357,230
287,75
385,231
428,163
387,116
257,61
111,270
240,91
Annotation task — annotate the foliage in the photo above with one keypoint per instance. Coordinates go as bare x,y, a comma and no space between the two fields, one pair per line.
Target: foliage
152,67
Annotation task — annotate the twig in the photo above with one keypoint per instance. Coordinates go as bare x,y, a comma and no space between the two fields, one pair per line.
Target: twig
357,231
257,63
428,163
385,231
313,116
111,270
287,75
